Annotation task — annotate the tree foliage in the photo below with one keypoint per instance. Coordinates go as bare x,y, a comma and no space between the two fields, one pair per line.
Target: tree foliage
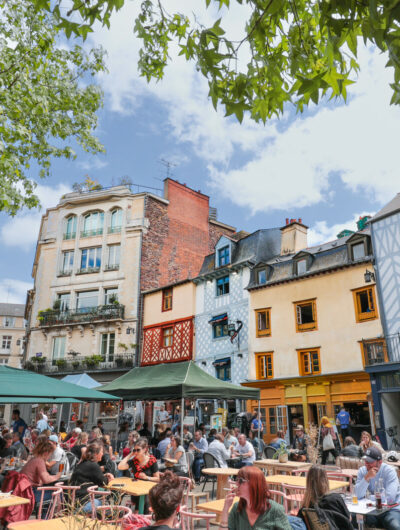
299,50
46,99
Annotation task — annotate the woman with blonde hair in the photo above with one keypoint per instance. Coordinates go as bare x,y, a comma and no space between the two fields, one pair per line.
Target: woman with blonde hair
328,438
317,496
367,442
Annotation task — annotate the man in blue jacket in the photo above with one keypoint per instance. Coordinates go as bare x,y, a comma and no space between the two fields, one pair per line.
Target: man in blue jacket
343,421
367,479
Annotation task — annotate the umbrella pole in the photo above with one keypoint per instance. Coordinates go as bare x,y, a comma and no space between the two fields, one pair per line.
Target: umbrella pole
194,417
182,416
116,430
259,418
60,416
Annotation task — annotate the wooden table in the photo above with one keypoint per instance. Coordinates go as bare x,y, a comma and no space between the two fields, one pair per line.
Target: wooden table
12,500
294,480
215,506
62,523
273,465
137,488
352,472
222,474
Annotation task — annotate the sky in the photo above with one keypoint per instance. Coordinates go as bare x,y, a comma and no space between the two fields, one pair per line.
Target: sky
328,166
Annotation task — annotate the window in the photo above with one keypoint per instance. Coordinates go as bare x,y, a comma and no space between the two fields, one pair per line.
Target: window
365,305
93,224
374,352
115,221
272,420
90,259
58,348
167,299
167,337
223,369
110,295
263,322
87,300
223,286
220,326
306,315
107,346
264,366
64,302
9,322
223,256
114,252
6,342
261,276
309,362
4,361
301,266
67,264
70,227
358,251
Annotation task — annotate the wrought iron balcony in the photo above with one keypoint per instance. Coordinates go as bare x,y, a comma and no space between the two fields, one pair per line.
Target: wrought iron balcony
91,233
382,350
82,315
69,235
114,267
73,364
114,229
88,270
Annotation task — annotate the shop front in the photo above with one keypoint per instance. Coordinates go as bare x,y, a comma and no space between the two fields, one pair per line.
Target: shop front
304,400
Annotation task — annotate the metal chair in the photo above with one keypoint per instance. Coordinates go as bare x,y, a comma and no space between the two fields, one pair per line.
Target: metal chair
72,460
188,517
281,498
189,461
68,495
187,484
209,462
113,514
294,497
269,451
52,504
93,492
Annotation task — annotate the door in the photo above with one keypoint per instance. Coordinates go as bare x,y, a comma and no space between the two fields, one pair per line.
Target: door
282,420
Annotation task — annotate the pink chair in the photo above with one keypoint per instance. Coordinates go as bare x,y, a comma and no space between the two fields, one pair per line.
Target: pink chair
69,493
113,514
93,493
187,484
344,478
294,497
281,498
300,472
188,517
54,503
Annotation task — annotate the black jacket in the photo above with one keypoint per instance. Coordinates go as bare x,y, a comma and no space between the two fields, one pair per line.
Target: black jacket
87,474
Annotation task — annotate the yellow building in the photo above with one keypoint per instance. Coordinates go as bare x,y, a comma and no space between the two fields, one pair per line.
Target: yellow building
311,313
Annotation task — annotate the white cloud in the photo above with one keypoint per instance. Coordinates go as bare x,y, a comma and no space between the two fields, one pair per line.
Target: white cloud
13,291
92,164
22,230
322,233
285,168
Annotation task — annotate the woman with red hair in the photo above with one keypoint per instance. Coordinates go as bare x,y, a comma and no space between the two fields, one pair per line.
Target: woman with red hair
254,509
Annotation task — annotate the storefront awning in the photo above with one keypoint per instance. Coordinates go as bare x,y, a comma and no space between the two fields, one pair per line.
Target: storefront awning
218,318
222,362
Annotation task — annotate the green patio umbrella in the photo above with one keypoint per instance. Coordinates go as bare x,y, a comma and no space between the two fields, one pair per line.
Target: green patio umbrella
16,384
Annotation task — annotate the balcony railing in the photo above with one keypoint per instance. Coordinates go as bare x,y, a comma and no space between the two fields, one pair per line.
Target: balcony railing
70,235
81,316
90,233
64,273
88,270
114,229
384,350
74,364
114,267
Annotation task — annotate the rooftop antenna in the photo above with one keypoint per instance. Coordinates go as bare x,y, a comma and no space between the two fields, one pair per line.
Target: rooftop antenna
168,165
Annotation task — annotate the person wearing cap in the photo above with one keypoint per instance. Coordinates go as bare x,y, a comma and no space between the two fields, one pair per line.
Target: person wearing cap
56,458
298,452
368,478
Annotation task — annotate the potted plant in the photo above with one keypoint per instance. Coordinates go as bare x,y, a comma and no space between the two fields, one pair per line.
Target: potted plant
75,365
61,363
29,366
57,305
93,361
39,363
119,361
282,453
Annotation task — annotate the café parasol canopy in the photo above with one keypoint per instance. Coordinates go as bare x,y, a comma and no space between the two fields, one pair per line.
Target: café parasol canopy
17,384
175,381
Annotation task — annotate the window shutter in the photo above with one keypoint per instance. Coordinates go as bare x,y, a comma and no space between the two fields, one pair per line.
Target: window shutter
298,311
268,327
371,300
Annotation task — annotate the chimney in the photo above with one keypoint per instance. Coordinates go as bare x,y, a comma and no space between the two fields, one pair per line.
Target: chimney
293,236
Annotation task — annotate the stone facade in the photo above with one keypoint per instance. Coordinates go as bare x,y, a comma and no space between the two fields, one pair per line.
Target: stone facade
12,331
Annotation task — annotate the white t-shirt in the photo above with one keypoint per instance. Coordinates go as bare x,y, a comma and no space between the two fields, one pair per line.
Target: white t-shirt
246,448
162,416
59,456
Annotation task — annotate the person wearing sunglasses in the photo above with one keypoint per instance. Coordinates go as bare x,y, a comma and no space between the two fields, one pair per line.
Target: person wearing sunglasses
141,463
255,509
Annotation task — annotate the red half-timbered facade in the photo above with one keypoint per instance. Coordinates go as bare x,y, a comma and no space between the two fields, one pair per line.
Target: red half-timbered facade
168,342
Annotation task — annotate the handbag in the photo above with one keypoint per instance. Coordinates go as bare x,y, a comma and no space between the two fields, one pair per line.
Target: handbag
327,442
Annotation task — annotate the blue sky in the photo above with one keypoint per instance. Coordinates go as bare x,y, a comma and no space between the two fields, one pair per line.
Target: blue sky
327,166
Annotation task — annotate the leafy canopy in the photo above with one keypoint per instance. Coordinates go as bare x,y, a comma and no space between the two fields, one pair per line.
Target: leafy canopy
298,50
45,99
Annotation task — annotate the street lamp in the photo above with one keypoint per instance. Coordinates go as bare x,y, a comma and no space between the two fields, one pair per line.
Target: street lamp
369,276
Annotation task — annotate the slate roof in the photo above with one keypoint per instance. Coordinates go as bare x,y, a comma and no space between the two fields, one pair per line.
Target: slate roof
259,246
322,258
392,207
12,310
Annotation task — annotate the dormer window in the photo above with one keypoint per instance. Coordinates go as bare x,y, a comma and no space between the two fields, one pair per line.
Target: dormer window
301,266
358,247
261,276
358,251
223,256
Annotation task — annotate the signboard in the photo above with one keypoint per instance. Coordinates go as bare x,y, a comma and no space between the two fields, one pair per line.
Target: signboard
188,420
216,421
224,414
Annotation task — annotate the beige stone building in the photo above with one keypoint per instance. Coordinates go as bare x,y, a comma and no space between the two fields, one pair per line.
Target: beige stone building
12,331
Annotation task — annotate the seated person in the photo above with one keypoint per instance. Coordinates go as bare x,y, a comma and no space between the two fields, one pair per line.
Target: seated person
187,437
133,437
211,436
5,446
255,442
280,439
88,473
56,458
367,442
317,493
176,457
199,446
164,442
18,447
141,463
367,479
80,446
145,431
219,451
298,453
245,450
351,449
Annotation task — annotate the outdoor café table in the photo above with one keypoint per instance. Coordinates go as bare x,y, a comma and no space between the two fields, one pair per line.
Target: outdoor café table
361,510
137,488
62,523
214,506
222,474
273,466
295,480
12,500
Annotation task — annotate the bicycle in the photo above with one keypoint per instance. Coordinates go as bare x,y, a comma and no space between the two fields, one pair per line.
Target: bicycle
391,432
